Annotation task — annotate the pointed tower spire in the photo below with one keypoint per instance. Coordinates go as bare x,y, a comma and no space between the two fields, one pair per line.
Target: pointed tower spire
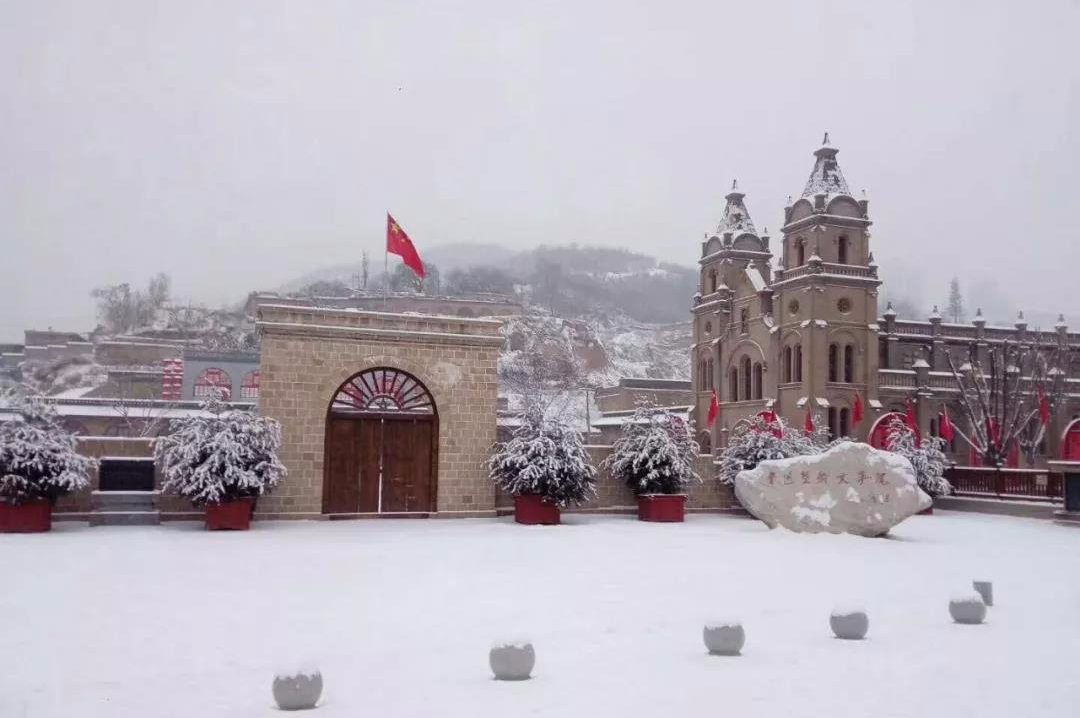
826,177
736,217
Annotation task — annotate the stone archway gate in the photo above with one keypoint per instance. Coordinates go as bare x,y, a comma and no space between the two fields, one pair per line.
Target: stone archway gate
309,354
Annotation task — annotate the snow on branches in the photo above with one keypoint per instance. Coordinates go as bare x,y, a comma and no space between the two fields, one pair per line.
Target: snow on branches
655,454
927,457
38,457
226,455
759,440
544,458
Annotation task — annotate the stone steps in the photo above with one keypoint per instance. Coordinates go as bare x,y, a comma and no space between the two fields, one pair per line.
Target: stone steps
124,508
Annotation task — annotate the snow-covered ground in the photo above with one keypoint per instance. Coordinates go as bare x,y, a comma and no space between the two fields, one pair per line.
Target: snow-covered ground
399,615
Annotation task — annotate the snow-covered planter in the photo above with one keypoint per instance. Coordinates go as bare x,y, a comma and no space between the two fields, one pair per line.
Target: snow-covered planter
546,461
655,458
926,457
512,660
39,463
849,624
724,638
223,460
297,689
967,608
758,440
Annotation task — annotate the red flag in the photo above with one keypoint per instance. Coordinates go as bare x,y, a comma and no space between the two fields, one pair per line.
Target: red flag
909,419
808,422
1044,407
946,425
714,409
397,242
857,410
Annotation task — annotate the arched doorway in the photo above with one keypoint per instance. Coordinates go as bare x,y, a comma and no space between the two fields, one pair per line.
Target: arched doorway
1070,444
880,431
382,434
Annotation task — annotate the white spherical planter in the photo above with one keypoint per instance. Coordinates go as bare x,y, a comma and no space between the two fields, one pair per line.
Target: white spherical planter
512,660
986,590
849,624
968,608
297,690
724,638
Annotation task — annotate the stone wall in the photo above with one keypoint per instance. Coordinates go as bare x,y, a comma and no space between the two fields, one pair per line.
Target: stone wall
116,353
307,354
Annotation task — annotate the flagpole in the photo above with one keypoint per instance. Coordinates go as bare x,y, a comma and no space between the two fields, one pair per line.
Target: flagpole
386,276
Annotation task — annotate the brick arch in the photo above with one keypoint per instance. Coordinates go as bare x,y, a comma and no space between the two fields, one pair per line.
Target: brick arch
739,350
435,387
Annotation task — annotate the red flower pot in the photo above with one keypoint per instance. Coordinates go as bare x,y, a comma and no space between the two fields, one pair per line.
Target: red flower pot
232,514
26,518
529,509
661,507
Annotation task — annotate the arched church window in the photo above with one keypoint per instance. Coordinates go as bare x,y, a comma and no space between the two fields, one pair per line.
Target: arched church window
210,379
833,361
744,320
798,362
757,381
747,380
845,422
787,364
842,250
733,384
712,281
849,363
800,252
709,380
832,423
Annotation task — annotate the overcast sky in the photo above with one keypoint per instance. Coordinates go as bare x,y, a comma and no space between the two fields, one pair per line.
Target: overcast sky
236,145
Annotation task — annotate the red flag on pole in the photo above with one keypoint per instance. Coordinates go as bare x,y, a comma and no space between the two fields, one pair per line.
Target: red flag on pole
857,410
946,425
714,409
1044,407
808,422
397,242
909,419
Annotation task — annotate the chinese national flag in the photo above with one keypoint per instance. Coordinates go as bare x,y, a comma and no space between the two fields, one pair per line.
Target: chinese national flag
1044,407
946,425
808,422
397,242
909,419
714,409
857,410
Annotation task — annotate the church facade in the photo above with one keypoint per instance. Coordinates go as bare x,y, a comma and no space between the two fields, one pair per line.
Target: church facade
805,335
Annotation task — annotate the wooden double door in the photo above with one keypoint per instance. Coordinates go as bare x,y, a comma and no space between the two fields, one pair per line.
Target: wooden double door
380,464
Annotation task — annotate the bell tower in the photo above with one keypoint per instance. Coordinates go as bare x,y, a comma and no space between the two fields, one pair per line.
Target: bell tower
825,302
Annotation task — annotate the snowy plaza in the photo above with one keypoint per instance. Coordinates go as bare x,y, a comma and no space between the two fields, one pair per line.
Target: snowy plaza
399,616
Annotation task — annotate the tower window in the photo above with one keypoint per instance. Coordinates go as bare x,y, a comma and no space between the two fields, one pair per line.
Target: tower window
800,252
757,381
733,384
849,363
787,364
709,380
712,281
798,362
833,359
747,379
842,250
744,320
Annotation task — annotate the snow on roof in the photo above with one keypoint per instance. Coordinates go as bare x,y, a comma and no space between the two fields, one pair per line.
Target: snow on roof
75,393
755,278
736,217
826,177
620,418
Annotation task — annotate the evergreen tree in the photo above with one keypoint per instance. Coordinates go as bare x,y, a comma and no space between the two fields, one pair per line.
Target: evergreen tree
544,458
954,307
927,458
226,455
655,454
38,457
758,440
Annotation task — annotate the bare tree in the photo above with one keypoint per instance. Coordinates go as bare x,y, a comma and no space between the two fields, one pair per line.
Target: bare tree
364,269
1001,397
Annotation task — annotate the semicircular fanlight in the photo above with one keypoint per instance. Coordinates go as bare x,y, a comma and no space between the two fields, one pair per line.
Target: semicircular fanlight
382,391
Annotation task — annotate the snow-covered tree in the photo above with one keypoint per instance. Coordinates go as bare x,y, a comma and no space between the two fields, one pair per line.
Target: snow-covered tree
655,454
759,440
38,457
954,307
927,457
544,458
226,455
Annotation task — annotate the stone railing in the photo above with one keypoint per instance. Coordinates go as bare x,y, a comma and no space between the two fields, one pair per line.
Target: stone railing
899,378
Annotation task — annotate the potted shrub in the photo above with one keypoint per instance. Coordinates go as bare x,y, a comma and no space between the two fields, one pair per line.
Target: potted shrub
655,457
222,460
38,464
544,466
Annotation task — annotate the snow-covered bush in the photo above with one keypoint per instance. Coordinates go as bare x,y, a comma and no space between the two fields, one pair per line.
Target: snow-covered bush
544,458
38,458
758,440
927,459
655,454
226,455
